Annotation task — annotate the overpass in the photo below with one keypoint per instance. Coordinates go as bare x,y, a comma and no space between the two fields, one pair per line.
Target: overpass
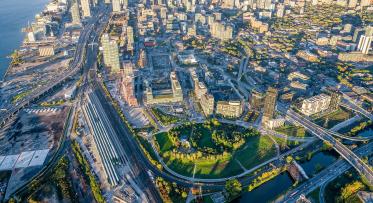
349,103
76,64
325,135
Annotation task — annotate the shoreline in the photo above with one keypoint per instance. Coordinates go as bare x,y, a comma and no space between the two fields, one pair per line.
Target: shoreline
7,54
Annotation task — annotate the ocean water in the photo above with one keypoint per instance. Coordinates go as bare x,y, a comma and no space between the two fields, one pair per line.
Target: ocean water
14,15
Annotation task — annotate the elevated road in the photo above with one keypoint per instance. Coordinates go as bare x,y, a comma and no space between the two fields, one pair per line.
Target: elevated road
349,103
325,135
325,176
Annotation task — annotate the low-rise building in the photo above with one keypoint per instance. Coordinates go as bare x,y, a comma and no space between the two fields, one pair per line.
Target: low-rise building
46,51
315,104
231,109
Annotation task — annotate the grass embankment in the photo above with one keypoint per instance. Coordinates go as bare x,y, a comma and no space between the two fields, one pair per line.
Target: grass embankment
264,177
292,130
94,185
164,118
332,119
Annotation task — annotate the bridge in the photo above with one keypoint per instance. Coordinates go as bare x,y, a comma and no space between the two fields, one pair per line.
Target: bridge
325,135
75,65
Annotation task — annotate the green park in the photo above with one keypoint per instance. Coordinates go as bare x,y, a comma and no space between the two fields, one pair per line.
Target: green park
213,149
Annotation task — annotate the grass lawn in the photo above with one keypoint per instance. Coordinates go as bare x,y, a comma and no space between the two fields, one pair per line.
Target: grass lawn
256,151
292,130
164,142
205,168
334,118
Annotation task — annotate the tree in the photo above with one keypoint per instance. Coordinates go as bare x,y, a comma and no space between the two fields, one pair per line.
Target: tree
233,188
184,194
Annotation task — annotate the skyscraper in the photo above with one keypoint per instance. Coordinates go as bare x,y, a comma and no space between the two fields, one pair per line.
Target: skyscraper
74,10
111,53
86,8
269,104
128,85
335,99
130,40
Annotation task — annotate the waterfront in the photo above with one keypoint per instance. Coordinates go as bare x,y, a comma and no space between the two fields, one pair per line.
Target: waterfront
14,15
283,182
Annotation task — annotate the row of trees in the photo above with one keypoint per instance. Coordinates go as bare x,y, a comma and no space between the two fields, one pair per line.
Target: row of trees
94,185
170,192
264,177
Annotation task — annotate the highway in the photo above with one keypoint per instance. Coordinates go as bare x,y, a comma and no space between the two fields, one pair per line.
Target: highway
325,135
76,64
324,176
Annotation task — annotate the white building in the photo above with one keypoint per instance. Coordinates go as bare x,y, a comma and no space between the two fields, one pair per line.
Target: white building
315,104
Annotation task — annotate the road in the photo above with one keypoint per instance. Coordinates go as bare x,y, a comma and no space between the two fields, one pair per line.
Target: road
328,174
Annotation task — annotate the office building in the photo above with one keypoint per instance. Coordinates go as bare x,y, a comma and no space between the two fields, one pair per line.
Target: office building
163,90
315,104
365,44
269,104
111,53
75,14
86,8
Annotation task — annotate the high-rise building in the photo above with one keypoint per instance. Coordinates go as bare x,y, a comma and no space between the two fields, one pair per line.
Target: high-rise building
269,104
117,6
335,99
142,59
86,8
107,1
256,100
221,31
130,39
280,10
365,44
111,53
357,34
74,10
207,104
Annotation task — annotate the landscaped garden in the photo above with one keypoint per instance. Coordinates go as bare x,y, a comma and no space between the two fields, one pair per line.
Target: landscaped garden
213,149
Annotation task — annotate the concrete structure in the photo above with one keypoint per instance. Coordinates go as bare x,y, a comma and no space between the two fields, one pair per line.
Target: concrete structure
315,104
111,53
46,50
